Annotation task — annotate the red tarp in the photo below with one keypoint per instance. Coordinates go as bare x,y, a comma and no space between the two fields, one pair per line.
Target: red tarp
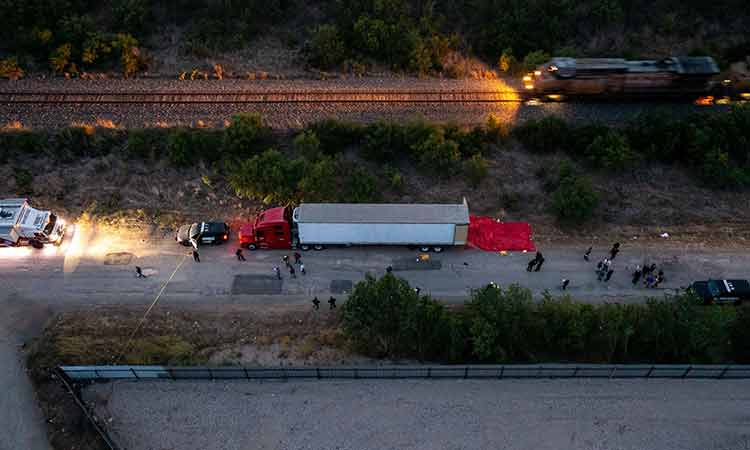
489,234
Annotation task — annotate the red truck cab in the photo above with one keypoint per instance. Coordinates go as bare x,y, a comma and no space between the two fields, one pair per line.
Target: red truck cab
271,230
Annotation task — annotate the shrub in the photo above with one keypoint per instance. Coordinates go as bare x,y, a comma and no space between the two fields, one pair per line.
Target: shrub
270,177
131,16
243,134
534,59
383,141
307,144
130,55
497,131
179,148
362,186
74,142
60,59
545,135
437,153
9,69
574,201
21,144
24,181
386,317
610,151
326,48
335,136
146,143
476,170
395,178
319,182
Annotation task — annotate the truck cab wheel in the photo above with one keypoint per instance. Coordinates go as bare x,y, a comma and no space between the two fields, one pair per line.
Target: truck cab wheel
304,247
252,247
437,249
424,249
318,247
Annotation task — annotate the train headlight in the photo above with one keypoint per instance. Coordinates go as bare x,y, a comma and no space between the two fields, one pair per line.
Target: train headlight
527,78
537,73
528,86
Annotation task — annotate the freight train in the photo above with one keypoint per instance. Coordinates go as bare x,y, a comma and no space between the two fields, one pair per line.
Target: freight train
692,76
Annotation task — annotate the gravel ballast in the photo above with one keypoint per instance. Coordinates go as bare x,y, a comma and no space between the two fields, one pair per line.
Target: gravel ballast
428,414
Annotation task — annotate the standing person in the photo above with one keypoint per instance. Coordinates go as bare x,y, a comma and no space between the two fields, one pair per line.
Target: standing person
277,272
240,256
302,269
291,271
332,303
614,251
636,275
417,290
539,264
530,265
565,283
316,303
139,272
196,256
388,269
659,278
649,280
609,274
297,257
285,259
587,254
652,269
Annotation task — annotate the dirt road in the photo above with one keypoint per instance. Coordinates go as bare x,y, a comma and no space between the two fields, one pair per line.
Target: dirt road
429,414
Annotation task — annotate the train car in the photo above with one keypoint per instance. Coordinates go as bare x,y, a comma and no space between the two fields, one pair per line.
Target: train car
673,76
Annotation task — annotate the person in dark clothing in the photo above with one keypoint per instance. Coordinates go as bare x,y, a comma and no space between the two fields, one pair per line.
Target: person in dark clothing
587,254
196,256
530,265
636,275
609,274
417,290
316,303
240,256
139,272
539,264
565,283
614,251
291,271
277,272
302,269
285,259
297,257
331,303
659,278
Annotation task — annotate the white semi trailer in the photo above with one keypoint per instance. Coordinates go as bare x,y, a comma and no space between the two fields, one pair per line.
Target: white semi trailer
20,224
427,226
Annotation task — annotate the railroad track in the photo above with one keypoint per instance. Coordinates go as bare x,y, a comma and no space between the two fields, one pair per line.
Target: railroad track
261,97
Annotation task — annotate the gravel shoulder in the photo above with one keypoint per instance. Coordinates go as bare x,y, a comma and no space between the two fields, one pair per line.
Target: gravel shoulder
423,414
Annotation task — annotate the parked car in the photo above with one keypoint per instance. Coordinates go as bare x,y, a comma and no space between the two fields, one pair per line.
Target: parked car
722,291
203,233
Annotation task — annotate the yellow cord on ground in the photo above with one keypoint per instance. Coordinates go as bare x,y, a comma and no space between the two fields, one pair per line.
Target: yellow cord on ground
145,315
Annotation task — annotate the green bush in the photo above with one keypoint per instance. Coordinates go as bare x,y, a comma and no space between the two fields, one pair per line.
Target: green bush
179,148
383,142
10,69
574,201
243,134
145,143
534,59
545,135
610,151
24,181
386,317
22,144
74,142
361,186
270,177
336,136
319,182
326,48
437,153
131,16
307,144
476,170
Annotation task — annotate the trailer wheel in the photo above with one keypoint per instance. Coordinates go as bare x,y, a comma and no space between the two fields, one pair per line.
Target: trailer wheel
424,249
318,247
304,247
252,247
437,249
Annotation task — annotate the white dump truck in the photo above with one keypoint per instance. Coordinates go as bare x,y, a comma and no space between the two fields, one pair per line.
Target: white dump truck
427,226
20,224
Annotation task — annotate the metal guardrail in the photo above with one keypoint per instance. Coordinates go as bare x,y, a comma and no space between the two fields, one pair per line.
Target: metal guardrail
512,371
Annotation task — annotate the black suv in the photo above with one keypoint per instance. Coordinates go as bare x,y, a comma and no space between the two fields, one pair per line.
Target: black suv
203,233
722,291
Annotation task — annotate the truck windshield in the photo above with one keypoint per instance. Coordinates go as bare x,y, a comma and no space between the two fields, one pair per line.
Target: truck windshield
50,224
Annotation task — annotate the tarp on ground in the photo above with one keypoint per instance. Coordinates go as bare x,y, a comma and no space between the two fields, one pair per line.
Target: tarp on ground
488,234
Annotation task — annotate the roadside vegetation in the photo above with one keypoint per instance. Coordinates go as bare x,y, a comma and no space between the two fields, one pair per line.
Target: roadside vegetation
418,37
387,318
346,162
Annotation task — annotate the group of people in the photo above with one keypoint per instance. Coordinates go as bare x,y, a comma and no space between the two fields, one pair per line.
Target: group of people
651,278
536,263
331,303
290,267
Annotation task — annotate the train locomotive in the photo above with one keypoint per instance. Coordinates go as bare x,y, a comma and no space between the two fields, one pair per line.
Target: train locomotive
616,77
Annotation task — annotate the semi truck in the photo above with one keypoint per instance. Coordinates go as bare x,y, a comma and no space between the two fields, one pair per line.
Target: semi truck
20,224
430,227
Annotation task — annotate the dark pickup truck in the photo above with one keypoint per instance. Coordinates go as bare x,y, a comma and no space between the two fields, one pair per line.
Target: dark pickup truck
203,233
722,291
